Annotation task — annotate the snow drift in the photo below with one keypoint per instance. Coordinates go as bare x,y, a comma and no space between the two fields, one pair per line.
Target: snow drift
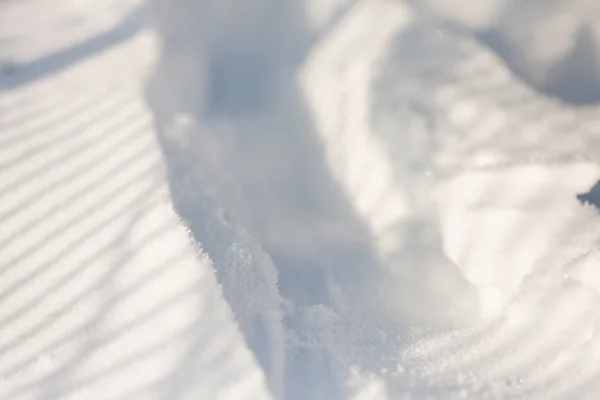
312,199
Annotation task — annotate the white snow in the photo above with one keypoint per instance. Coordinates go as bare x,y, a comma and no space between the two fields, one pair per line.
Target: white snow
302,199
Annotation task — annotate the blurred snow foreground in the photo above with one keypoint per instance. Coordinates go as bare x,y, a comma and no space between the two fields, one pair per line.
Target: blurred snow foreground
318,199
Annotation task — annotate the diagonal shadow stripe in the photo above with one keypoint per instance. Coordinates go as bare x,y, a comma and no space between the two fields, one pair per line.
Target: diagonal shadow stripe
47,66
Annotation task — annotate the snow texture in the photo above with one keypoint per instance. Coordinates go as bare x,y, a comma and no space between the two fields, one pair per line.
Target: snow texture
299,199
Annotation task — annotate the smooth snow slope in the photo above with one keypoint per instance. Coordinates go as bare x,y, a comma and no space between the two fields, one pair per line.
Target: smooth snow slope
382,199
102,295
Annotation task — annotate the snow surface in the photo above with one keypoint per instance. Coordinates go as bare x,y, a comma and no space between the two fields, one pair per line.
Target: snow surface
301,199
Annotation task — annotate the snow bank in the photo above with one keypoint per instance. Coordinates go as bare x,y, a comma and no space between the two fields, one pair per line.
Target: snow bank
102,294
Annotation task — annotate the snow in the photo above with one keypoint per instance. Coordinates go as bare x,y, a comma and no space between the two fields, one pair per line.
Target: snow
318,199
102,294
